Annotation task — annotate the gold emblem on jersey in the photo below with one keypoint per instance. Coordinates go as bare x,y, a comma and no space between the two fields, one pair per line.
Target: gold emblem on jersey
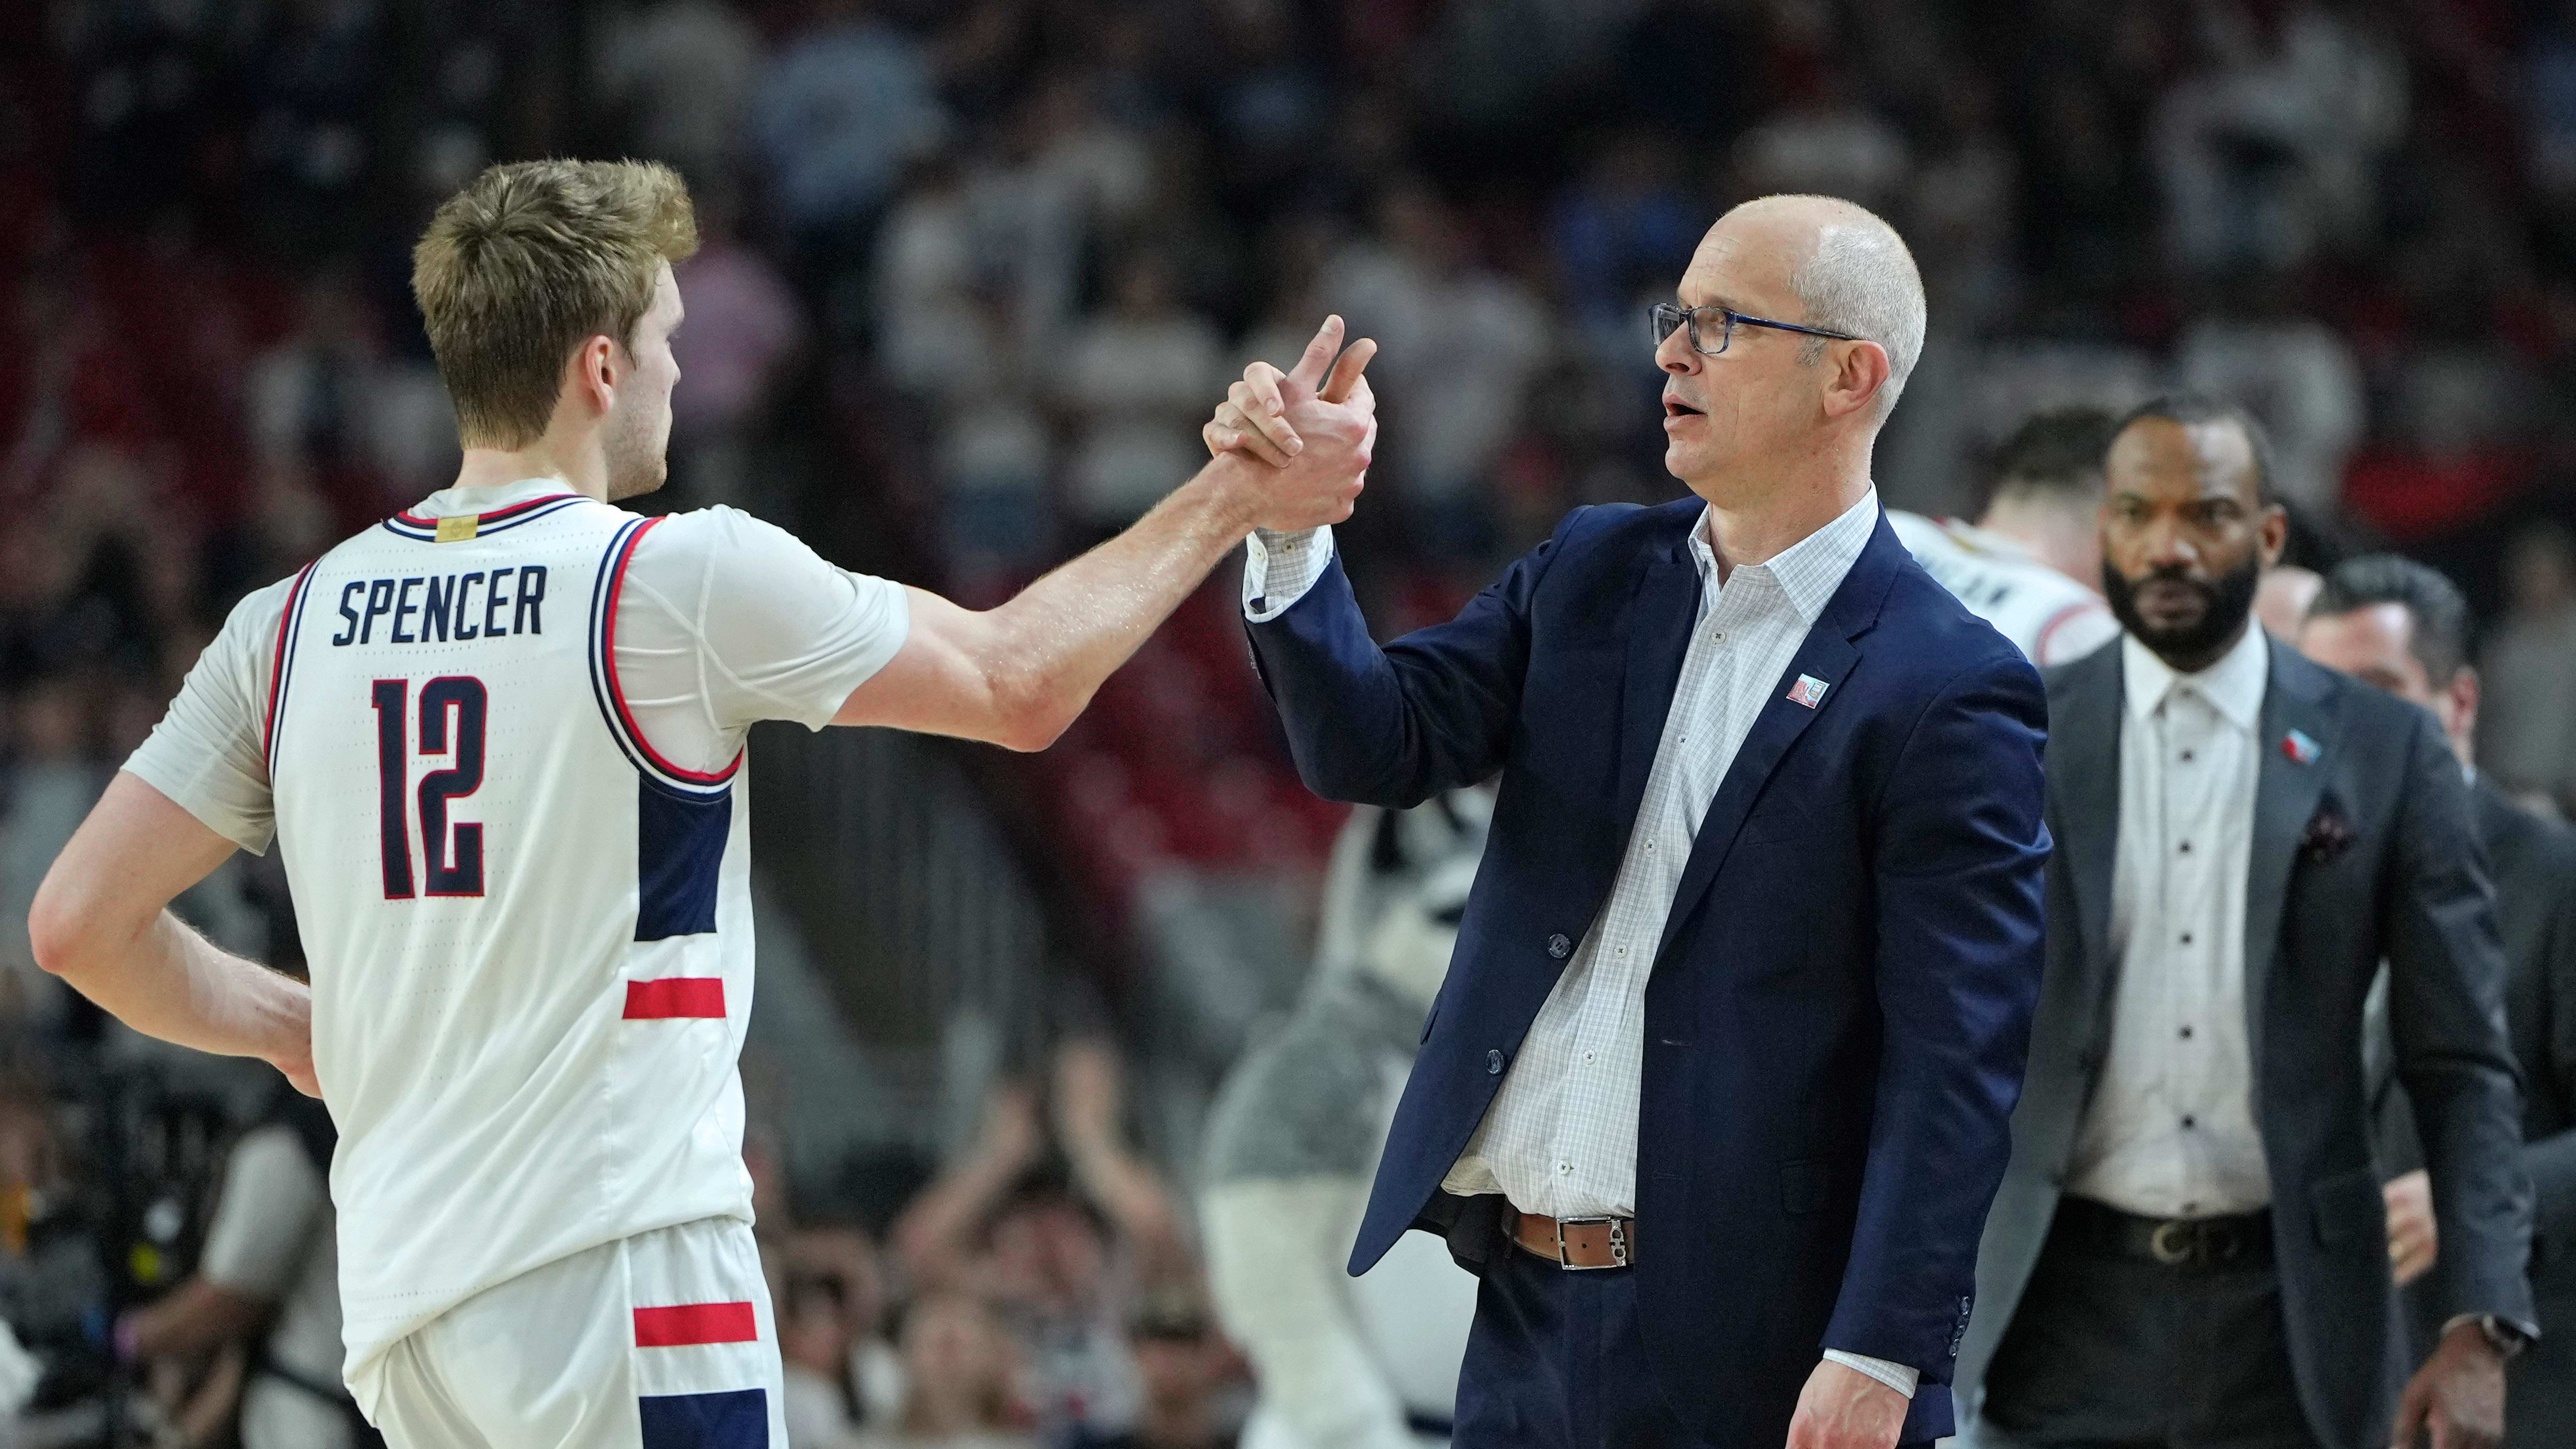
459,528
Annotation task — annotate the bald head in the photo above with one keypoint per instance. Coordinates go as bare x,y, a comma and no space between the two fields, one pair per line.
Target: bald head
1848,269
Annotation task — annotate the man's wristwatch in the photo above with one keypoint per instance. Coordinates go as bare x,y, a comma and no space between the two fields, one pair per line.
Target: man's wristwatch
2501,1336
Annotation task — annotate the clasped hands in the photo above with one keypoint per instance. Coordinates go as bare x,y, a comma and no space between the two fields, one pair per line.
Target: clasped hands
1316,424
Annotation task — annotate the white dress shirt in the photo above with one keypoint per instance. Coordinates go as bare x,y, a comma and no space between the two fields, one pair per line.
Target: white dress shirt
1561,1136
2170,1132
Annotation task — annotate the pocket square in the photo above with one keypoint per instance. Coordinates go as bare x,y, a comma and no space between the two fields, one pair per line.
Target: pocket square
2328,835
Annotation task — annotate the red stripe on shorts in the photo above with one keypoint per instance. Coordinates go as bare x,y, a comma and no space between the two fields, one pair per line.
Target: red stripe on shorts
687,1323
671,996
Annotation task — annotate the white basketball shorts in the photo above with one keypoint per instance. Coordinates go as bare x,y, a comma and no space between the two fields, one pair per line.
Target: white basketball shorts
664,1340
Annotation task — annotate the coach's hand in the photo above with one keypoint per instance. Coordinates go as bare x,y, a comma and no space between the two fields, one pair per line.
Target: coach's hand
1843,1408
1254,418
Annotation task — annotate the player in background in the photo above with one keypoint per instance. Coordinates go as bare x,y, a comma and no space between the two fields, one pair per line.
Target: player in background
2031,565
500,738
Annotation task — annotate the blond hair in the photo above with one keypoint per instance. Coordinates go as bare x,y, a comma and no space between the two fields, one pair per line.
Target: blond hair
526,262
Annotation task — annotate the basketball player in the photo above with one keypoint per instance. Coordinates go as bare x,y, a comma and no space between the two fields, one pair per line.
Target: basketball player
500,738
2031,562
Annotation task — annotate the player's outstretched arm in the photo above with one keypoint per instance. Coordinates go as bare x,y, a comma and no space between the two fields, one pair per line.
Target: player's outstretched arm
101,921
1017,675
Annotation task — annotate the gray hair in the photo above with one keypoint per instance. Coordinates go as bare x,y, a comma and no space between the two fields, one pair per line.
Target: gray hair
1861,279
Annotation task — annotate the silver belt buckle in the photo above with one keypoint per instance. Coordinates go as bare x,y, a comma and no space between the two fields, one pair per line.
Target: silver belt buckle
1618,1245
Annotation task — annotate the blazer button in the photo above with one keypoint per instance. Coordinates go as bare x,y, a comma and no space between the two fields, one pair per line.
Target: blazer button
1494,1062
1558,946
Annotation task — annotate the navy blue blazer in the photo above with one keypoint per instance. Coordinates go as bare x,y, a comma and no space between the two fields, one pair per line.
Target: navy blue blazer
1839,1009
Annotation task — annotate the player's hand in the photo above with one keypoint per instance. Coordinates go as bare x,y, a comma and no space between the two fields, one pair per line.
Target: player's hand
1254,420
1843,1408
297,1064
2414,1239
1326,410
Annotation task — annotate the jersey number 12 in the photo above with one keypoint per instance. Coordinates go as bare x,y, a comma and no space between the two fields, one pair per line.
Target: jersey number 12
455,854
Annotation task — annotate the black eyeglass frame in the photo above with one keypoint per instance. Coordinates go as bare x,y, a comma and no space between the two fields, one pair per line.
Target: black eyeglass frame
1666,319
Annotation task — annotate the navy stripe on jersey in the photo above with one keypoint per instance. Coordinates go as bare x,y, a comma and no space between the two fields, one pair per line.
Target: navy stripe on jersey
425,530
735,1419
679,854
283,665
604,589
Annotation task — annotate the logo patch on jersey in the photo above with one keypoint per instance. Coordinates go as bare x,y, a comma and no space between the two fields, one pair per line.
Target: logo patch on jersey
1809,691
458,529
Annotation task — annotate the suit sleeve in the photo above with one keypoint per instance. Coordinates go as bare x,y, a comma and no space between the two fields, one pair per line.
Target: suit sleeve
2446,977
1958,859
2551,1160
1431,711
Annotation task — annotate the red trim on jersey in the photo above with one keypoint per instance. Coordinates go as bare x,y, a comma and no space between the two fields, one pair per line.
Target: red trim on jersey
495,516
668,997
617,694
2076,610
684,1324
277,665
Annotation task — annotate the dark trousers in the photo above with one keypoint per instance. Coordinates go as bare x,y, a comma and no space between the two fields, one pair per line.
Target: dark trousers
1555,1361
2110,1352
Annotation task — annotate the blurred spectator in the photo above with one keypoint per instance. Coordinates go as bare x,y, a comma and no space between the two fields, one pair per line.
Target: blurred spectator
678,74
269,1274
2293,372
741,336
50,786
1460,344
1139,378
833,119
960,1369
331,404
2527,727
1186,1368
1059,1256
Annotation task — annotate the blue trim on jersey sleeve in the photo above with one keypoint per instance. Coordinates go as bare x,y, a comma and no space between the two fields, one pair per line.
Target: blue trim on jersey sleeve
679,853
734,1419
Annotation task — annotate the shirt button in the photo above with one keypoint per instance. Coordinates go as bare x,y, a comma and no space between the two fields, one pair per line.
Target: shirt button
1494,1062
2186,938
1558,946
1623,950
2186,757
2190,1122
1587,1058
2186,1033
2186,847
1565,1169
2189,1208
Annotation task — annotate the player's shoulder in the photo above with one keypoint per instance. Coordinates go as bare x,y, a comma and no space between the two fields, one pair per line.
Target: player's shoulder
718,534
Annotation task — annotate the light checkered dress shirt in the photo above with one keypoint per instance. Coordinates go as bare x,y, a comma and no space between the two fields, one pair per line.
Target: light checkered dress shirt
1561,1136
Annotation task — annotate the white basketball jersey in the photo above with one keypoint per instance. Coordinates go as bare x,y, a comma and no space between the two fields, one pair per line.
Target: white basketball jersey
529,935
2048,616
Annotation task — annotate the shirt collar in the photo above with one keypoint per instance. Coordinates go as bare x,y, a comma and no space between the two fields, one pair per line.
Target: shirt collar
457,502
1809,570
2233,685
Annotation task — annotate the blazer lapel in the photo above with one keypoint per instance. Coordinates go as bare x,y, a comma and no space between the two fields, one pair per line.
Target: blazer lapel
1660,624
2286,791
1829,656
2086,714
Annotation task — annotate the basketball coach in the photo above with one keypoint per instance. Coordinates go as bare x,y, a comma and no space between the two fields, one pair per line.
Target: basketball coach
1716,1095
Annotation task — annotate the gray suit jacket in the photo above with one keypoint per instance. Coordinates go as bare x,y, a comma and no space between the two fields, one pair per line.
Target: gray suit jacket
2364,852
2534,863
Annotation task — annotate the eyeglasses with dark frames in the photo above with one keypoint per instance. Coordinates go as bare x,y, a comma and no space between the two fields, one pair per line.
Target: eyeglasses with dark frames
1723,321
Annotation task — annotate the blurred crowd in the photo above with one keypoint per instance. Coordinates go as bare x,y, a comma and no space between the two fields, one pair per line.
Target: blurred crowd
974,273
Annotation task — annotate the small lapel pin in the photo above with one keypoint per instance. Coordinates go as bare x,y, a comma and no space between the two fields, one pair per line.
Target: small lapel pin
2299,747
1809,691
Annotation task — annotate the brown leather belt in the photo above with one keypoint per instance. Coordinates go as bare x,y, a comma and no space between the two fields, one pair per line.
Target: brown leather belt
1576,1243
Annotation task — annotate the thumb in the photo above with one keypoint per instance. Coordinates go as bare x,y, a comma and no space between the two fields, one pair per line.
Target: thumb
2412,1409
1309,371
1346,373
